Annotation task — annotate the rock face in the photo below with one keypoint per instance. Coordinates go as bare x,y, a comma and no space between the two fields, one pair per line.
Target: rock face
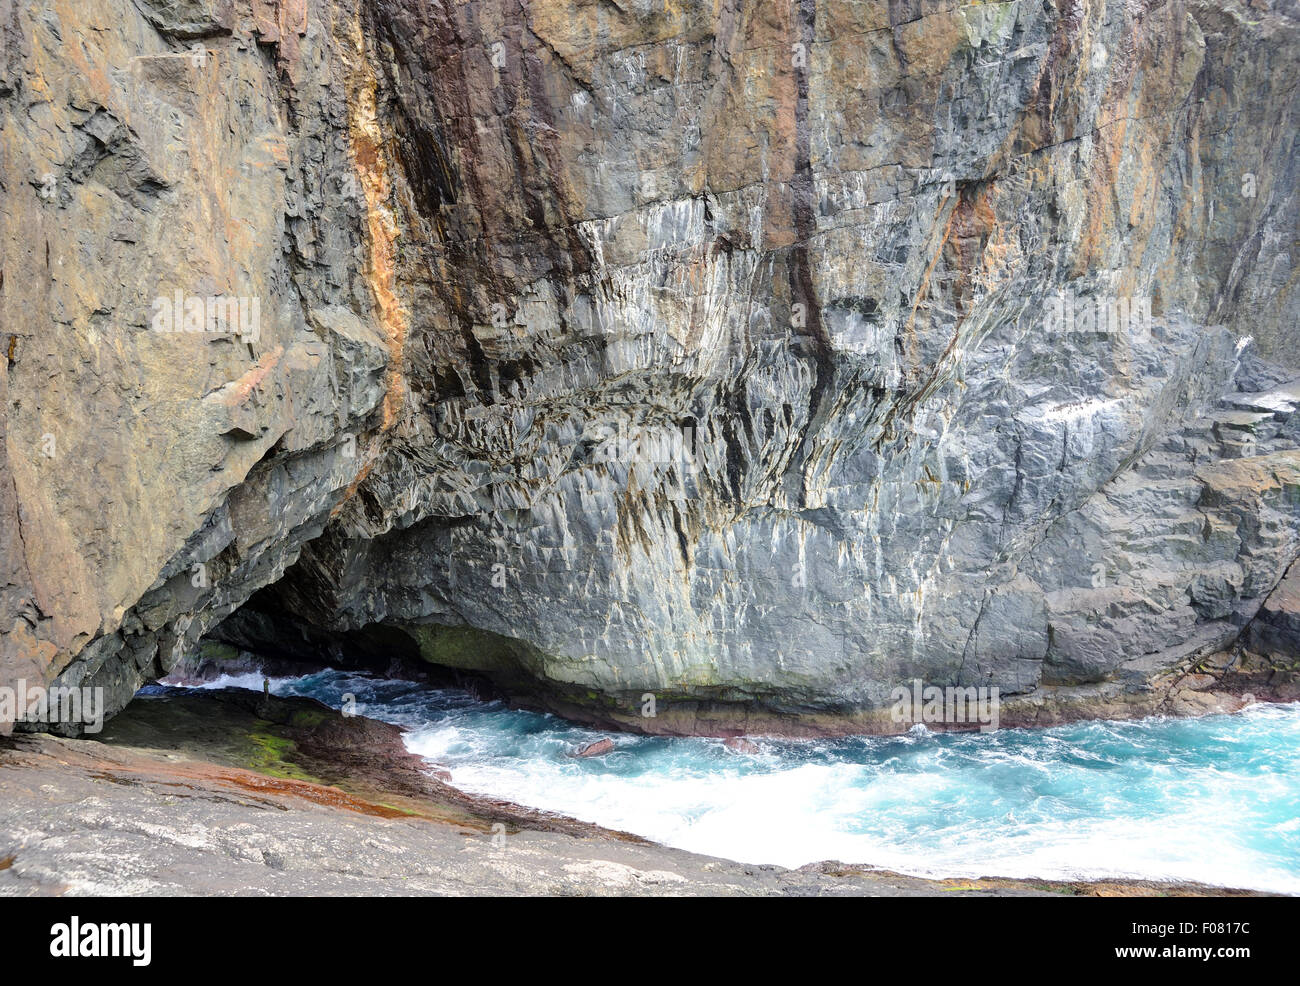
682,366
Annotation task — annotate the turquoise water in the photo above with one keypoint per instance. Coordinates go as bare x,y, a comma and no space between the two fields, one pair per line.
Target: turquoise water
1215,800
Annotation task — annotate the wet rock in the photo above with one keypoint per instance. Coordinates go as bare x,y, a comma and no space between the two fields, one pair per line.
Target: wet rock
596,749
740,744
1276,628
299,740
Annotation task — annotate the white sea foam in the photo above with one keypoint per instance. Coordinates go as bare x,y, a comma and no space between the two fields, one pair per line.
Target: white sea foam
1214,800
1042,817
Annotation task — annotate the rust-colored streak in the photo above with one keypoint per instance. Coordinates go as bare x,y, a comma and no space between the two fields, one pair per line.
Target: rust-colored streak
366,468
201,776
253,379
328,797
923,289
381,225
975,248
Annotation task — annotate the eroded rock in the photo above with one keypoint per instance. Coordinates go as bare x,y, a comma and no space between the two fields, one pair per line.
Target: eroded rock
754,358
597,749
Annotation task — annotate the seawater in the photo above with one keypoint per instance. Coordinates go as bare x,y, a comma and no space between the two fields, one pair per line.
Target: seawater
1214,799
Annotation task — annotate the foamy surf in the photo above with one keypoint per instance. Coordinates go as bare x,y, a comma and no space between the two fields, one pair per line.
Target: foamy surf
1212,800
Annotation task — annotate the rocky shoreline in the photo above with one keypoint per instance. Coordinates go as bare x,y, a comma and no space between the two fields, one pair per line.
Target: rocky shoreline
229,792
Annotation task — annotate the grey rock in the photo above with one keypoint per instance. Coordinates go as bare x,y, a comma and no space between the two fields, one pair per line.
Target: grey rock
757,359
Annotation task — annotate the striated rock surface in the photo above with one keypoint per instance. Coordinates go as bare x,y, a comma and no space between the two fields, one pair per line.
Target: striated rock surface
689,367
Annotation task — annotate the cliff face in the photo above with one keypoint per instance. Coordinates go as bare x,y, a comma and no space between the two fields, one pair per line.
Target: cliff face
759,356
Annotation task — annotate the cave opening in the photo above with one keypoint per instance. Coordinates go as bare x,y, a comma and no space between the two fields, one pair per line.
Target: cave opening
265,636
